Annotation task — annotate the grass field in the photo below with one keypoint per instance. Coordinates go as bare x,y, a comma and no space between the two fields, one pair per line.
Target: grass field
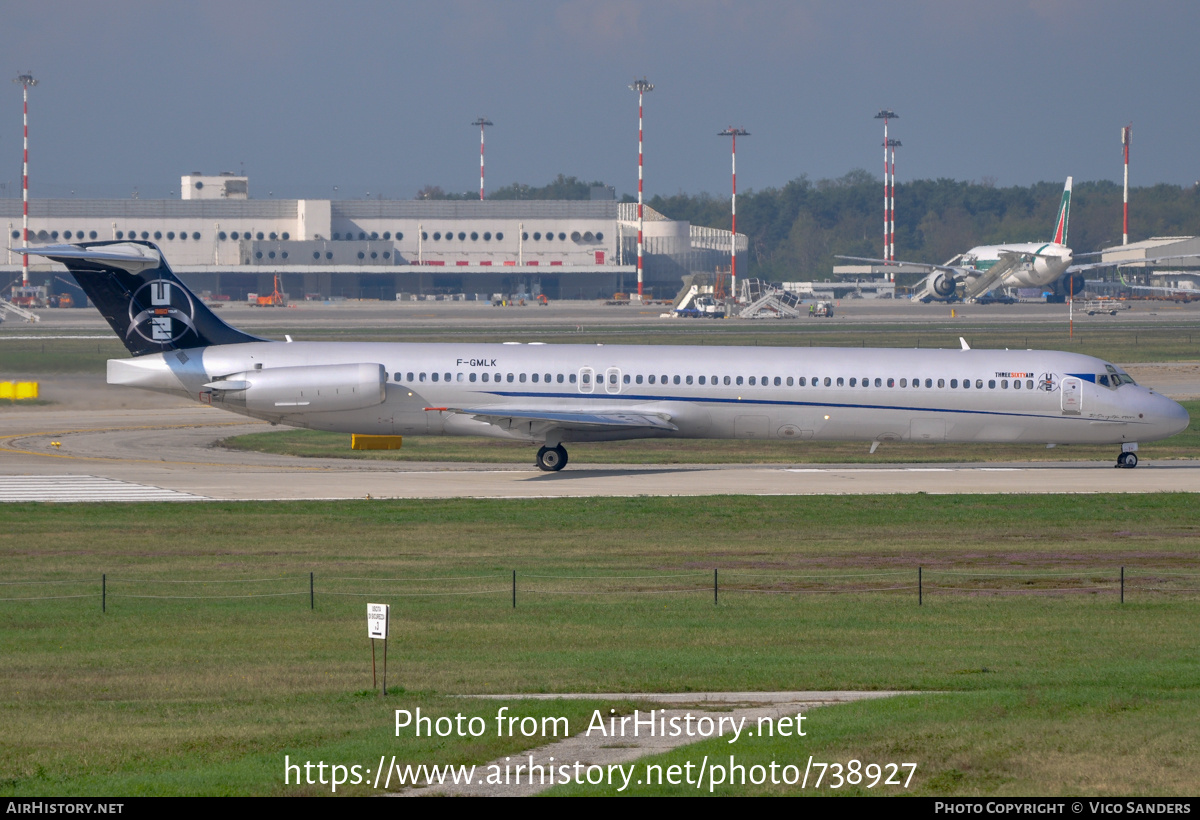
316,444
1032,691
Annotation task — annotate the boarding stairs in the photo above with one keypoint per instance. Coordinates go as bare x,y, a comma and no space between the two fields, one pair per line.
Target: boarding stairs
8,307
762,300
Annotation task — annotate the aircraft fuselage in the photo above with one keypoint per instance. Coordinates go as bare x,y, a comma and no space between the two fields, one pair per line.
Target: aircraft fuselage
823,394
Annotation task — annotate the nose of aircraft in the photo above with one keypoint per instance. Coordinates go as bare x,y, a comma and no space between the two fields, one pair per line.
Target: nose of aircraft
1169,416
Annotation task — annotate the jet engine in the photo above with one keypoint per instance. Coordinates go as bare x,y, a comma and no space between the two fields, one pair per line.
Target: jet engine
312,389
1071,283
943,285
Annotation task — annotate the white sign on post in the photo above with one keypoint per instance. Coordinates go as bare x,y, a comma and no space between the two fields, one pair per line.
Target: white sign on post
377,620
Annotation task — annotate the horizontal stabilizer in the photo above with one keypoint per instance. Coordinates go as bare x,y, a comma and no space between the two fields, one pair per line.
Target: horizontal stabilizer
127,256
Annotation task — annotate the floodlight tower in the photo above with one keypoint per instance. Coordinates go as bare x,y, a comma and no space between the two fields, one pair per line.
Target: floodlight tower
641,87
886,114
27,81
1126,135
735,133
891,249
482,122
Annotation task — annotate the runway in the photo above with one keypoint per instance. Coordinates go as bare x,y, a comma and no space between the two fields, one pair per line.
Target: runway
167,453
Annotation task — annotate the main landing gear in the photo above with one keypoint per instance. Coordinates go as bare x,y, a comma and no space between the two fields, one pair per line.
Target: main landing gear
1127,460
552,459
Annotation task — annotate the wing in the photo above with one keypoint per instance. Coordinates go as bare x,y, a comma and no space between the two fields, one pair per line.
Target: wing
536,422
1127,262
937,284
929,266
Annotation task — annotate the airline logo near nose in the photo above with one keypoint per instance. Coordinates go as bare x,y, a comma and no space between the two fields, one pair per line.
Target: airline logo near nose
170,312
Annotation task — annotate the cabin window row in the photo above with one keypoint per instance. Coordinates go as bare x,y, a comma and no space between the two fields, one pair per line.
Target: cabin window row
730,381
536,378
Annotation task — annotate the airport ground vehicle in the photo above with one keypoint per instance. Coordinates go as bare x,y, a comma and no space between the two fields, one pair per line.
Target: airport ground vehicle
1109,306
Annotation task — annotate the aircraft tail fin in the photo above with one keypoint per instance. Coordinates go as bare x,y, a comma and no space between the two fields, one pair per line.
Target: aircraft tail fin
134,289
1064,215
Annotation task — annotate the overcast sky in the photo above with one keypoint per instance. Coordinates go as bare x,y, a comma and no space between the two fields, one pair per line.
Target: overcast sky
374,96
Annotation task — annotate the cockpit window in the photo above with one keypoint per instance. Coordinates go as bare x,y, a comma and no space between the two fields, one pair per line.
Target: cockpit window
1116,378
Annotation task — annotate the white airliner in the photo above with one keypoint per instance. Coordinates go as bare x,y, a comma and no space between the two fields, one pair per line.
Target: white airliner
1015,265
557,394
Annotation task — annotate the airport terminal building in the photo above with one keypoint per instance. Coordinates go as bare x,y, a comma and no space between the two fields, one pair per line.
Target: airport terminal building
223,243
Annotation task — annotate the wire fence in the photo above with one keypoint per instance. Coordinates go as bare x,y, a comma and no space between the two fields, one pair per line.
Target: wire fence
917,583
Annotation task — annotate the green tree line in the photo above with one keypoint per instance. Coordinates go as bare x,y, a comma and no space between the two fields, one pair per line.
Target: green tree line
796,231
561,187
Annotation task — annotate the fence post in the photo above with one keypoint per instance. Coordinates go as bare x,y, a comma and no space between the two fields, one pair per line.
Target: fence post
920,588
312,604
514,589
104,592
714,586
1122,584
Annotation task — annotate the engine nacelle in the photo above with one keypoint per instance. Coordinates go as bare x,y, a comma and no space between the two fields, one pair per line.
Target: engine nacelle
1072,283
313,389
943,285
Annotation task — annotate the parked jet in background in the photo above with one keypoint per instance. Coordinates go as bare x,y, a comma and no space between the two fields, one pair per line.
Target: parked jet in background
553,394
984,268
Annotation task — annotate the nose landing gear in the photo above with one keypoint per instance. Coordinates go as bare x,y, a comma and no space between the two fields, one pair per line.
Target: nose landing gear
552,459
1127,460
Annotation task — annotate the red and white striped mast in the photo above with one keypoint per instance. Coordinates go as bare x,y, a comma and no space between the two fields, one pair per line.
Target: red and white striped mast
885,115
641,87
891,250
482,122
735,133
26,80
1126,135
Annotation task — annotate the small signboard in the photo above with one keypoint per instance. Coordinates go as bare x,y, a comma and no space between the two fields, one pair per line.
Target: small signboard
377,620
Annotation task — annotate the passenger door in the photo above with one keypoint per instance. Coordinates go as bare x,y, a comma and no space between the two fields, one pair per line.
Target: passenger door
1072,396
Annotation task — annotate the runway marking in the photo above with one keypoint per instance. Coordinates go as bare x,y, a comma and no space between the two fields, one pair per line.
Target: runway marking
869,470
76,488
9,439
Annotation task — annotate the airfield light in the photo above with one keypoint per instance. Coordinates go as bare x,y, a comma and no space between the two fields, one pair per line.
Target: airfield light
885,115
27,81
641,87
482,122
735,133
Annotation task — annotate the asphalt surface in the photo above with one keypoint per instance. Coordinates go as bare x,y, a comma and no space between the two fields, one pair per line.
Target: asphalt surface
172,449
586,314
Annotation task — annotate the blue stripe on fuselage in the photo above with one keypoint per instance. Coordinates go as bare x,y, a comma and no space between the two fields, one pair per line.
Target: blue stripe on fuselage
781,403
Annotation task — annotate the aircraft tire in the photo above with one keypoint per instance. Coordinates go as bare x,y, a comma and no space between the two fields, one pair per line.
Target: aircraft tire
1127,460
552,459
